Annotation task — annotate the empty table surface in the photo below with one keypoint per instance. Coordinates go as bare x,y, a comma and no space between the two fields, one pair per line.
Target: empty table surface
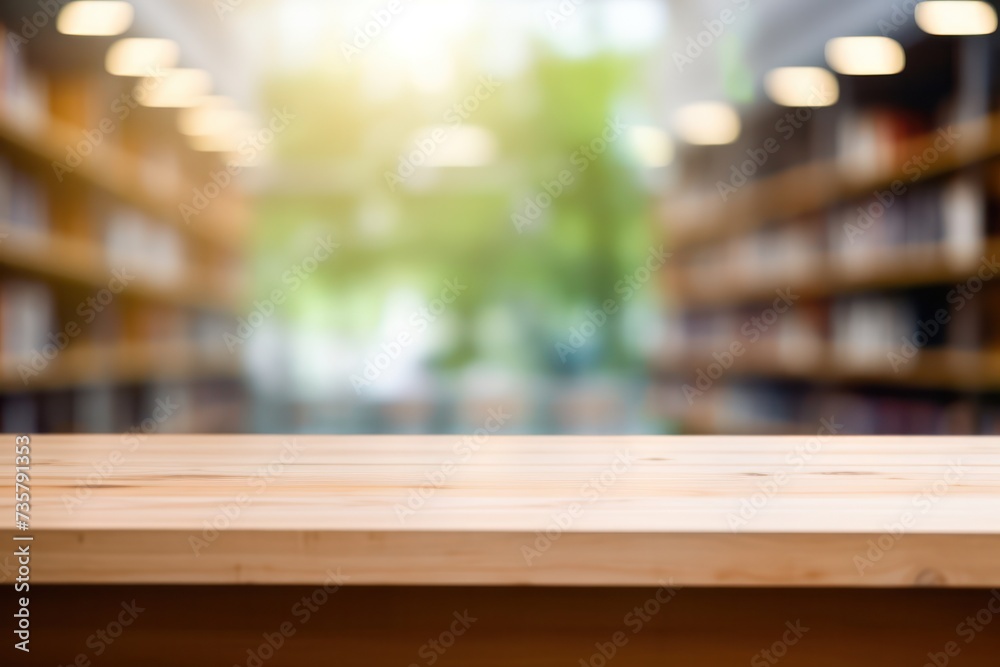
541,510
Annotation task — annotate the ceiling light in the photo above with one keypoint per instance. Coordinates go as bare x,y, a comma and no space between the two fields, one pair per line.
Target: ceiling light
707,123
956,17
212,115
176,88
141,56
87,17
865,55
801,86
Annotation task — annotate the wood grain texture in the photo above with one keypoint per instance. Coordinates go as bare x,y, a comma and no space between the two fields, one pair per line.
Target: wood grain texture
732,511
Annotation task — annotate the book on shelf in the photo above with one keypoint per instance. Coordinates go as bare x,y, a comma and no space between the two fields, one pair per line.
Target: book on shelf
26,318
869,141
964,216
29,203
147,246
23,91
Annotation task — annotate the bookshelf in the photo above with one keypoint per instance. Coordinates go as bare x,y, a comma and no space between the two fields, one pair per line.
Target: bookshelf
879,214
111,296
817,185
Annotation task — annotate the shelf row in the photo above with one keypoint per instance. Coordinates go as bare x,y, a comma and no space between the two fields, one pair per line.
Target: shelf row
85,263
87,365
815,274
704,217
791,407
942,369
119,174
69,126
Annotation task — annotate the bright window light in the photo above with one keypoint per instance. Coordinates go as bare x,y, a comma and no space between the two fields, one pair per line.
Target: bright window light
463,146
651,145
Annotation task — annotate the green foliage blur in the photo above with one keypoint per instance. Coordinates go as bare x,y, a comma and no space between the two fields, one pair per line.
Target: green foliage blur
525,289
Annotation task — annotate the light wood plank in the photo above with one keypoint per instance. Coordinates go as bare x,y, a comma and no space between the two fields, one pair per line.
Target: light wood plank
783,510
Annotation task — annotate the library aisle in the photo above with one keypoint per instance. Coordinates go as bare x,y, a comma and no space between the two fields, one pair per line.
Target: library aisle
500,333
487,217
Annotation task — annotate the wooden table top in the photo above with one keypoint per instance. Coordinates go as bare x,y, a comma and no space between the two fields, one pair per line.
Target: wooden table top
538,510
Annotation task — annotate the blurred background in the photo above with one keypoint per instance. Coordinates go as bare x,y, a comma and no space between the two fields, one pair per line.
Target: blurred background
562,216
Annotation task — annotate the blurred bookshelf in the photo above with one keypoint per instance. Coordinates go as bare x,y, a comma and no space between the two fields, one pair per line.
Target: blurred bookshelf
850,272
113,301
